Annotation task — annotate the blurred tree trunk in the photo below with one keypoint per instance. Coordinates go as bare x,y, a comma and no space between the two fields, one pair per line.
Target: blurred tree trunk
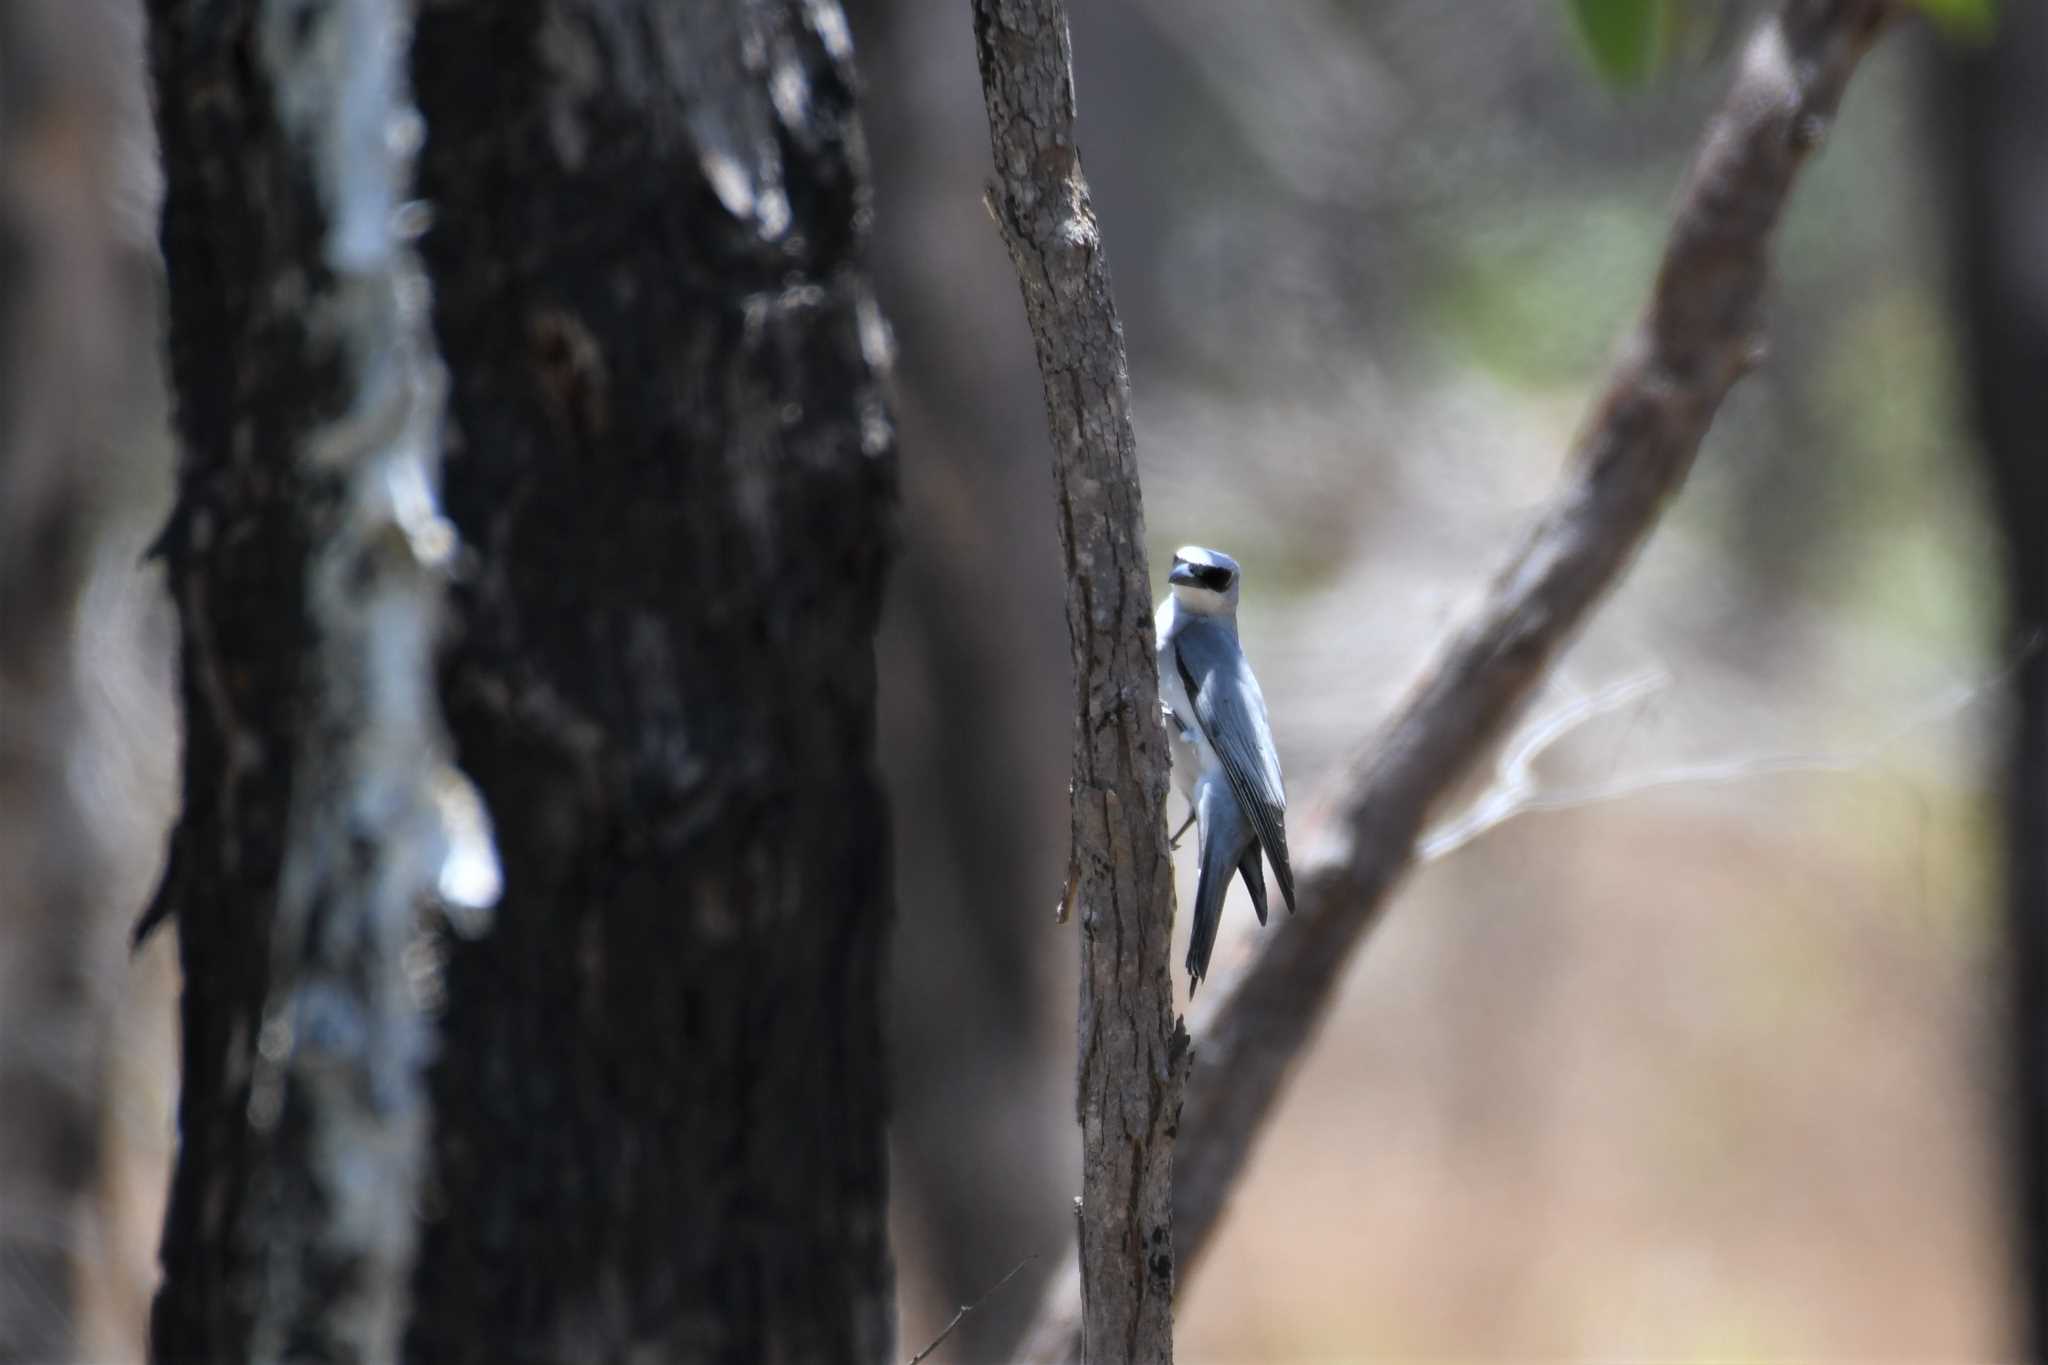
75,291
972,998
656,1111
661,1098
1996,98
306,556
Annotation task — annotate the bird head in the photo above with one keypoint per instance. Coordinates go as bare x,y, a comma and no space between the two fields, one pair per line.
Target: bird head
1204,581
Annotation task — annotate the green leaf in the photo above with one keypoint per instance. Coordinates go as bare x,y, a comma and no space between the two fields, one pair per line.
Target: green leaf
1969,21
1625,38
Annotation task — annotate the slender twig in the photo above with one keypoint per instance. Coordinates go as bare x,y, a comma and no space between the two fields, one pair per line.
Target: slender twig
1700,332
1515,787
1133,1050
967,1308
1517,792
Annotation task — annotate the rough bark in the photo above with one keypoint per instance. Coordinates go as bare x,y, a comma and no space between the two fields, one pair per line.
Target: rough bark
1996,102
306,554
1133,1050
655,1121
660,1101
1702,330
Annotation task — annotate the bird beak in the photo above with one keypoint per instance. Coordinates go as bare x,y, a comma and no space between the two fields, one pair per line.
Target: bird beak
1183,574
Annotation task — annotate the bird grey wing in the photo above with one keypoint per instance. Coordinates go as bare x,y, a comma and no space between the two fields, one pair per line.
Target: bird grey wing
1232,713
1226,841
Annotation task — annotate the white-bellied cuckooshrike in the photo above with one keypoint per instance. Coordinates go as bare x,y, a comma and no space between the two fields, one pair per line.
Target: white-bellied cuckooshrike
1224,763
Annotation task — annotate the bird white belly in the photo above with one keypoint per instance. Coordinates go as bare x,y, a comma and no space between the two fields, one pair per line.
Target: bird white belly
1193,756
1187,759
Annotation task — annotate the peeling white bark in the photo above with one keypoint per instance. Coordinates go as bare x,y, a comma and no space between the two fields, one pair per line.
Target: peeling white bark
381,826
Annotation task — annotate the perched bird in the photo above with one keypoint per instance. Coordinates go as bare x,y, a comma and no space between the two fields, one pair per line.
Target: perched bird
1223,759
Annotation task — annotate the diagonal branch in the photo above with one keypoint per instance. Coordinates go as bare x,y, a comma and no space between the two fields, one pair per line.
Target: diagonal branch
1701,331
1133,1050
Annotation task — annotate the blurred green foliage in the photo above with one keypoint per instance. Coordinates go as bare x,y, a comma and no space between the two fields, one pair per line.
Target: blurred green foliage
1627,40
1968,20
1539,297
1624,38
1888,390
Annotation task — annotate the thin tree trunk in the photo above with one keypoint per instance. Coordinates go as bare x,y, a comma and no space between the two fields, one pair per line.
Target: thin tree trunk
1133,1050
656,1112
1996,99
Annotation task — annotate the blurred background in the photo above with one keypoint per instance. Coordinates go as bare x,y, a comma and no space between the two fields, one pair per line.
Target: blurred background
1696,1058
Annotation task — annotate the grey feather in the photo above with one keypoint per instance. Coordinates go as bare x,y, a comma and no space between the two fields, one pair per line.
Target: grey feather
1227,842
1232,713
1254,879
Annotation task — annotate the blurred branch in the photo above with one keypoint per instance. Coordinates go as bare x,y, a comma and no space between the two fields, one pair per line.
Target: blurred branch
1994,102
1133,1051
1516,790
1701,331
1515,787
76,384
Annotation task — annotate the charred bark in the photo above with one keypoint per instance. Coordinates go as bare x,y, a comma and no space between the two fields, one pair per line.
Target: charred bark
654,1118
306,554
660,1103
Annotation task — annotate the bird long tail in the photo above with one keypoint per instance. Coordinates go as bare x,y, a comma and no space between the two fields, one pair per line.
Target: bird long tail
1254,878
1226,843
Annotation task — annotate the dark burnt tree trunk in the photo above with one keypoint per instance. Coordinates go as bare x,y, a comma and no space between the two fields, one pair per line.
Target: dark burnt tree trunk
652,1125
1996,98
660,1105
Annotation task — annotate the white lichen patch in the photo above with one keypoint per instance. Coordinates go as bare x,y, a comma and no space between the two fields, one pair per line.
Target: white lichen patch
569,54
381,824
729,181
877,341
470,880
829,23
773,220
736,141
790,92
